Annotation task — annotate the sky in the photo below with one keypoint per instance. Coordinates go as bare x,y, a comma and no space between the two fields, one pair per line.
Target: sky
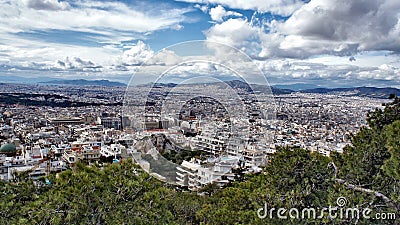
331,43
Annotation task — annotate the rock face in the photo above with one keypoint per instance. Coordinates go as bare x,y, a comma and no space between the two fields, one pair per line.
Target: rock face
144,145
159,141
164,144
152,148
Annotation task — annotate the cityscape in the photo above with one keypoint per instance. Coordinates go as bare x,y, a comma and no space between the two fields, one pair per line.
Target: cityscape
44,138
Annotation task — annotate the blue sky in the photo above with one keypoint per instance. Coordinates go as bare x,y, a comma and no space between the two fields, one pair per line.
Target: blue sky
324,42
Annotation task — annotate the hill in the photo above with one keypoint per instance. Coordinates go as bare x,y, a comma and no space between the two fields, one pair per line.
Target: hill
296,86
372,92
84,82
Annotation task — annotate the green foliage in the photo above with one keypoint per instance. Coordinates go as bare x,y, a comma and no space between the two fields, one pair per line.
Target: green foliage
372,162
363,159
379,118
209,189
392,165
115,194
177,157
294,178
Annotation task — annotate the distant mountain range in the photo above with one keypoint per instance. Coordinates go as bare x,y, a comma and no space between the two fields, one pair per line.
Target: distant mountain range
49,80
83,82
24,80
296,86
373,92
257,87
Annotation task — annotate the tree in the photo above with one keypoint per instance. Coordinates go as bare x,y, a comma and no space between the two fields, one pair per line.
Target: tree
392,165
379,118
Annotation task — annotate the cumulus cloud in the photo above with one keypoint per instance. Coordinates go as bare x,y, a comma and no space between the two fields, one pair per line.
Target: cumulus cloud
291,70
218,13
187,70
136,54
140,56
319,27
76,64
235,32
23,52
47,4
203,8
165,57
99,30
344,27
70,64
281,7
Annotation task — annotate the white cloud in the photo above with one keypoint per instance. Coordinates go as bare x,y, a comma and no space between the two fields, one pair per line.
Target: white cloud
187,70
357,28
284,70
75,64
47,4
203,8
140,54
136,54
338,28
110,19
281,7
165,57
25,50
342,28
102,21
218,13
234,32
363,59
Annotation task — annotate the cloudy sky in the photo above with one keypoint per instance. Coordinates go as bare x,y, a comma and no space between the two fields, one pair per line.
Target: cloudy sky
323,42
